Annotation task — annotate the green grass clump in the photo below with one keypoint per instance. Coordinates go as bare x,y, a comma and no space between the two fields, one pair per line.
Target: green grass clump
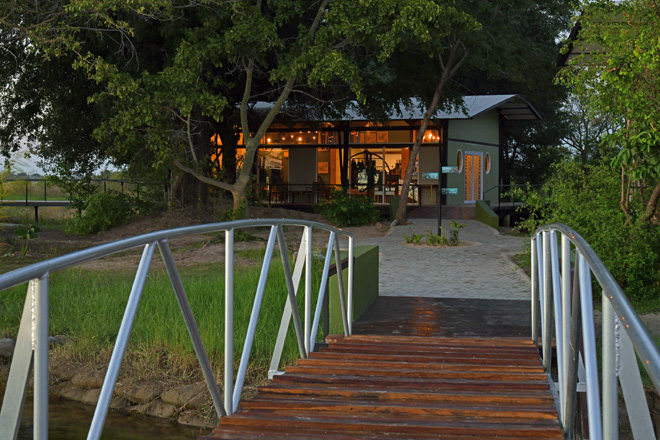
87,306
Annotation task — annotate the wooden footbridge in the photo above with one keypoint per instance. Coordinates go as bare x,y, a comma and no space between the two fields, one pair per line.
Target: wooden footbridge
408,368
406,372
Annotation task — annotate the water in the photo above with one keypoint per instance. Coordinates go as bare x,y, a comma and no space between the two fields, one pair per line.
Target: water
71,420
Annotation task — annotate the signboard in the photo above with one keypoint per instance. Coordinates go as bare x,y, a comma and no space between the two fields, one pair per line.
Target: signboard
449,170
446,191
430,176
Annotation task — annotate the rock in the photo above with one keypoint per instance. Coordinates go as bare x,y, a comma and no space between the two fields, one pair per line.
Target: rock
91,396
72,392
189,396
192,418
158,408
63,370
7,348
88,379
58,340
119,403
137,409
138,394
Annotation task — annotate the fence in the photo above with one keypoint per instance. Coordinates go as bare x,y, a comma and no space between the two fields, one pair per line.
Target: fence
562,298
31,352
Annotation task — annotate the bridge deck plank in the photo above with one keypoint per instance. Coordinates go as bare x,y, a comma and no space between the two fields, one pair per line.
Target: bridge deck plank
408,385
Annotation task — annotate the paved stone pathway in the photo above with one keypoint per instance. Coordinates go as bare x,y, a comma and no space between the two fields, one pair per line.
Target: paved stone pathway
483,270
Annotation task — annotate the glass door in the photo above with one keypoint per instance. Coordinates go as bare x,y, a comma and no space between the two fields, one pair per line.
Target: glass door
473,176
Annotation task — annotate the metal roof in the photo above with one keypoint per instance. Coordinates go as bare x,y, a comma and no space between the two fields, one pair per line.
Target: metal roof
511,107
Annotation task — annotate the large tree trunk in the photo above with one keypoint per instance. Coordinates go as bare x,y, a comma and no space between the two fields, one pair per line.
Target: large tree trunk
448,70
230,138
187,191
652,205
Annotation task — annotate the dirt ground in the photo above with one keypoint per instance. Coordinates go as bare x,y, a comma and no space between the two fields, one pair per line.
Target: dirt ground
189,250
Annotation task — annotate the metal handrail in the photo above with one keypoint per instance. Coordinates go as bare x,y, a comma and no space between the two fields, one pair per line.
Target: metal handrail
512,185
568,306
46,182
31,351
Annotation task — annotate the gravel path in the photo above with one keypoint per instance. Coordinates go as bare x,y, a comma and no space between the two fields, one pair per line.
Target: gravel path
482,270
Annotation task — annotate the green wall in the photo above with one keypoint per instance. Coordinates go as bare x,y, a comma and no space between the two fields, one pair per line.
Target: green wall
477,135
365,285
486,215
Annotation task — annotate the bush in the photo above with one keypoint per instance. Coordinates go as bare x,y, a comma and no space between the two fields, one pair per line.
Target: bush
587,200
343,209
100,212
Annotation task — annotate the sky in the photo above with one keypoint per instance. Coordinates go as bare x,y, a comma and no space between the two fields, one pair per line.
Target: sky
21,163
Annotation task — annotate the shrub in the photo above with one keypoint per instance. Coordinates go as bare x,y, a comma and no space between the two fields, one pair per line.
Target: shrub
587,200
343,209
453,239
413,237
102,211
435,239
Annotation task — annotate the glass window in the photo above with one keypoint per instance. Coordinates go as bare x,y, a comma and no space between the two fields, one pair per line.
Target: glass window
301,137
487,163
459,161
273,167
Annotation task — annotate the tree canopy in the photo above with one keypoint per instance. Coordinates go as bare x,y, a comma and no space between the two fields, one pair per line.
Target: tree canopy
494,51
169,74
618,73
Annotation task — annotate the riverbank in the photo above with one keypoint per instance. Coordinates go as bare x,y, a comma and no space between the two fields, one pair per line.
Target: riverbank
156,379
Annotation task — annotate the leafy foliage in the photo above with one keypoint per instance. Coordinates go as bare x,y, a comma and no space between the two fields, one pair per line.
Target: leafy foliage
168,75
413,238
618,76
343,209
435,238
453,238
586,199
26,234
101,212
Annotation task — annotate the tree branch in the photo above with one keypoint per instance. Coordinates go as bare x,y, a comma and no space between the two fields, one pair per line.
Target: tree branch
652,205
201,177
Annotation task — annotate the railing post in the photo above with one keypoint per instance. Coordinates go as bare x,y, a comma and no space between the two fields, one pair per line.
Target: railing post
229,321
191,326
570,397
342,292
308,288
557,307
40,347
565,311
350,285
20,372
120,344
323,292
610,385
632,389
291,293
535,292
254,318
547,304
540,283
591,366
288,313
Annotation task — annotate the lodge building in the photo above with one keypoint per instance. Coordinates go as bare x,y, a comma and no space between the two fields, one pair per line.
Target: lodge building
299,162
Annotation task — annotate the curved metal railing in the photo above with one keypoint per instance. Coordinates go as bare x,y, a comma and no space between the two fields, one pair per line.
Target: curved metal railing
562,298
31,351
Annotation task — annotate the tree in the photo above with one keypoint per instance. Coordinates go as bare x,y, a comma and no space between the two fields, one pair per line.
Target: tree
586,131
619,76
483,51
178,69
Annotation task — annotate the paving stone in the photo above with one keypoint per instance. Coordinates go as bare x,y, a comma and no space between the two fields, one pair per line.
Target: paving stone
483,270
